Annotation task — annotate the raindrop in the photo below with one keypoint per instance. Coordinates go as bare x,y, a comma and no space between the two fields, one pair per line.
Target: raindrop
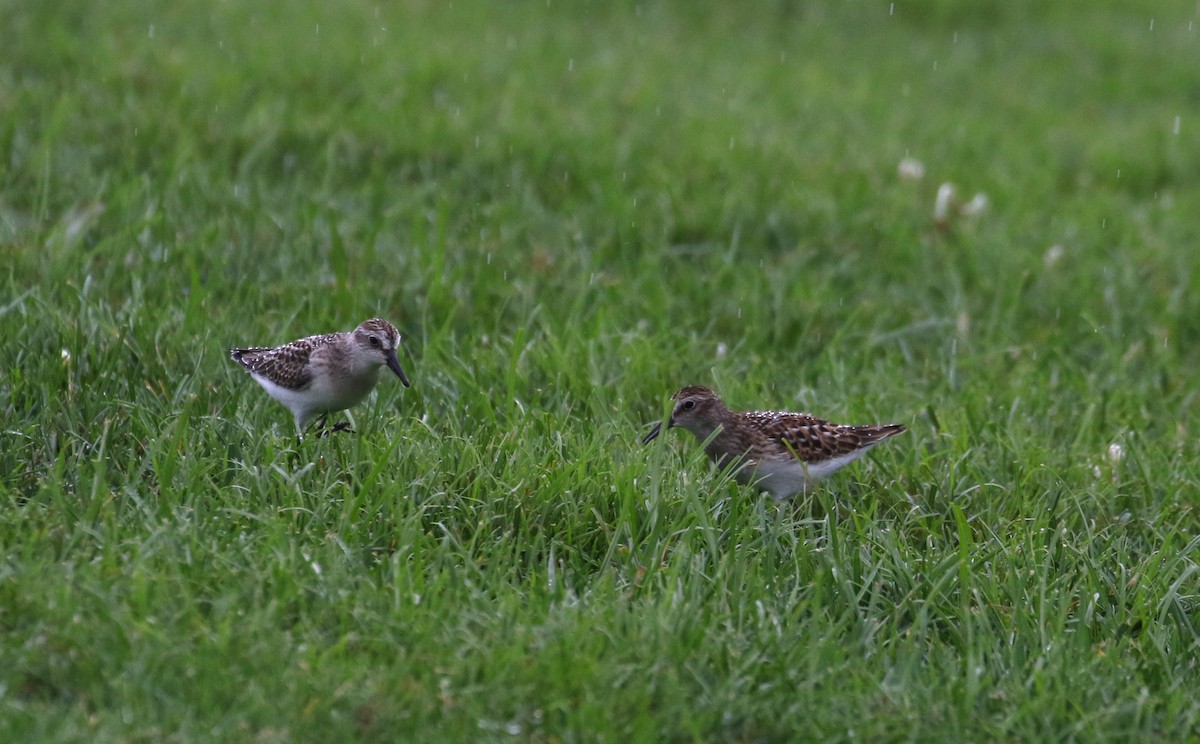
151,31
1175,129
892,9
571,65
1151,24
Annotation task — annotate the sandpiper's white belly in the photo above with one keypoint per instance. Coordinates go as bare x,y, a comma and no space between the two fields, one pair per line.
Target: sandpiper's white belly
784,478
325,394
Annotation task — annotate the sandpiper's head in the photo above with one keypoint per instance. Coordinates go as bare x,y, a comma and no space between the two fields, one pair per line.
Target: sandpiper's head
377,341
697,409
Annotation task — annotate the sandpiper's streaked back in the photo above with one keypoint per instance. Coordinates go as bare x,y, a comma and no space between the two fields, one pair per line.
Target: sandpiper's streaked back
319,375
784,453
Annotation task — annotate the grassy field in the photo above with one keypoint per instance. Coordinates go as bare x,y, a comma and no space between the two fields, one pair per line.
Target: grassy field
571,209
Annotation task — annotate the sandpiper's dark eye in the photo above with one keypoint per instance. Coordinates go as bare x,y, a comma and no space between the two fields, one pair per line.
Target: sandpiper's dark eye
689,405
375,341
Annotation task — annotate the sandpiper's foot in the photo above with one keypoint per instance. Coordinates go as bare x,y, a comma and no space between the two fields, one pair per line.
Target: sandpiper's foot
339,426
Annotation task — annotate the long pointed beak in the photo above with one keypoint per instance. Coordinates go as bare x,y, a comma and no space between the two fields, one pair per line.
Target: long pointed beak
393,363
656,431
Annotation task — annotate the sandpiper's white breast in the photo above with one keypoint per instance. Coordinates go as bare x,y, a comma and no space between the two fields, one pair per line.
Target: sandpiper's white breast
337,391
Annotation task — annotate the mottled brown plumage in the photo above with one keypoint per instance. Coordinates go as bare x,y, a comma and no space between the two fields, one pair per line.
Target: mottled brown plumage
286,365
781,452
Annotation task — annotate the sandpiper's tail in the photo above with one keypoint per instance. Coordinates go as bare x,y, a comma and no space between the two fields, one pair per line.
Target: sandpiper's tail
245,356
872,434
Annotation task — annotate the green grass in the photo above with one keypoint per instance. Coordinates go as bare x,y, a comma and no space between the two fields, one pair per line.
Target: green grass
567,208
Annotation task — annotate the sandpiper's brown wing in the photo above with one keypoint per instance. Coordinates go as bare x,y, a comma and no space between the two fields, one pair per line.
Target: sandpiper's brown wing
286,366
815,440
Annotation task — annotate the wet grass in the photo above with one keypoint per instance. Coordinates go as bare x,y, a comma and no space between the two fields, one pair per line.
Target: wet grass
570,210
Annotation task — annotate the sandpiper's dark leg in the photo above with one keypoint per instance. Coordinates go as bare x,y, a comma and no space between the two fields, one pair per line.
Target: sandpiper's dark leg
342,426
319,427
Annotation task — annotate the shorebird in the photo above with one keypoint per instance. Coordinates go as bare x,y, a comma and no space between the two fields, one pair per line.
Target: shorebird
319,375
784,453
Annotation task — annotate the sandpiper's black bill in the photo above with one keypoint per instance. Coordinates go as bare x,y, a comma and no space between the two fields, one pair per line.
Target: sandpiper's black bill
393,363
653,433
